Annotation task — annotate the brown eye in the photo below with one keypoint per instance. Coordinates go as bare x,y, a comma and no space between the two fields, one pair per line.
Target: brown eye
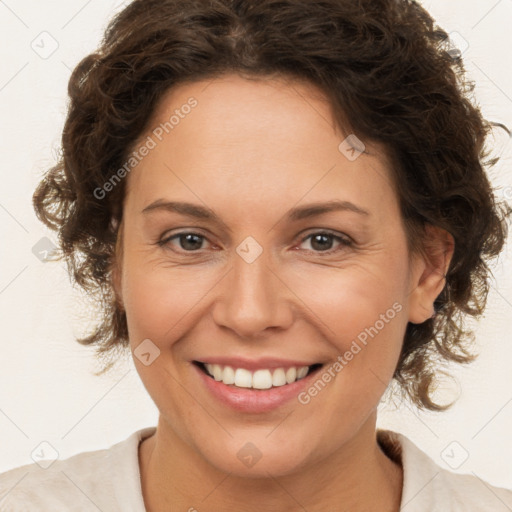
323,242
189,242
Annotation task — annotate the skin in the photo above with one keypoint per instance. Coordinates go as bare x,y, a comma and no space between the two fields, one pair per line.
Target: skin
250,151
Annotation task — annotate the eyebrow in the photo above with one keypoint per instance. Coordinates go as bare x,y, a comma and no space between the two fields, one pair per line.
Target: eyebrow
183,208
295,214
314,209
193,210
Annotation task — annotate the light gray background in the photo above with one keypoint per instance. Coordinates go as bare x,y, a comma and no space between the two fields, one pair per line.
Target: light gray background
47,389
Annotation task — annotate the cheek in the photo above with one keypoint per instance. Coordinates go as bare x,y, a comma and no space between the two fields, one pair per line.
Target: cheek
360,310
347,300
159,301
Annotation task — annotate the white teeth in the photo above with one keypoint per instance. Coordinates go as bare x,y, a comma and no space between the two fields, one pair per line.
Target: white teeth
291,375
217,372
229,375
302,372
279,377
243,378
260,379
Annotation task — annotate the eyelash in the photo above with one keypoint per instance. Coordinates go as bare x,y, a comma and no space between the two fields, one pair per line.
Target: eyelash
345,242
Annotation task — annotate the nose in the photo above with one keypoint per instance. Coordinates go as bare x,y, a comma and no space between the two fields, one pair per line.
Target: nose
253,299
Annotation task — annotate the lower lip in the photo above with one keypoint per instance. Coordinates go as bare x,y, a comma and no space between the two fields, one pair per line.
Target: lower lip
254,400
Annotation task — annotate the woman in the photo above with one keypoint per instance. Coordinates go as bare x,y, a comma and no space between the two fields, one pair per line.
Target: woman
282,207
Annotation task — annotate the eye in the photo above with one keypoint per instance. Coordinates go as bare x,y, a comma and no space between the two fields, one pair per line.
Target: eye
187,241
322,241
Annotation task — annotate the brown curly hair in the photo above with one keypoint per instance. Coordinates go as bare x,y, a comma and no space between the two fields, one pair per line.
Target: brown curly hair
390,75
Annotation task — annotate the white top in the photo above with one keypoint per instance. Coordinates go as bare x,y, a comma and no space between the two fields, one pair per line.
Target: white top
108,480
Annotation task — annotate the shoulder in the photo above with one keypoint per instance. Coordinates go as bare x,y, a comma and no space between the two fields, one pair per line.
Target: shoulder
429,487
70,482
95,480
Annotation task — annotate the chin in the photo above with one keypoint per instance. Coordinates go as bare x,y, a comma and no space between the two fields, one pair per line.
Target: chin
255,455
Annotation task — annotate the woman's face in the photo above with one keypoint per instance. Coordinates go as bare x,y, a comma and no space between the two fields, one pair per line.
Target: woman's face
231,257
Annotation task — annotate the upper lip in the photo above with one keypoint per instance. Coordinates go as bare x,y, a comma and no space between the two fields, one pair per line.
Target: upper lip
255,364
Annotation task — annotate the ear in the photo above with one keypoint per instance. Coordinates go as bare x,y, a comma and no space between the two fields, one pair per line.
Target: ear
428,275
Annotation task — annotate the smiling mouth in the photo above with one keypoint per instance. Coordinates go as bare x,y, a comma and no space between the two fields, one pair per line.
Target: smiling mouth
259,379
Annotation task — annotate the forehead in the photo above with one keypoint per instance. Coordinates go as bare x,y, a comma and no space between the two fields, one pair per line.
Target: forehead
233,110
257,136
231,104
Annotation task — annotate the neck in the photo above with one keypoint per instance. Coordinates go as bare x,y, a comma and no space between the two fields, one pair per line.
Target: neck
357,477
